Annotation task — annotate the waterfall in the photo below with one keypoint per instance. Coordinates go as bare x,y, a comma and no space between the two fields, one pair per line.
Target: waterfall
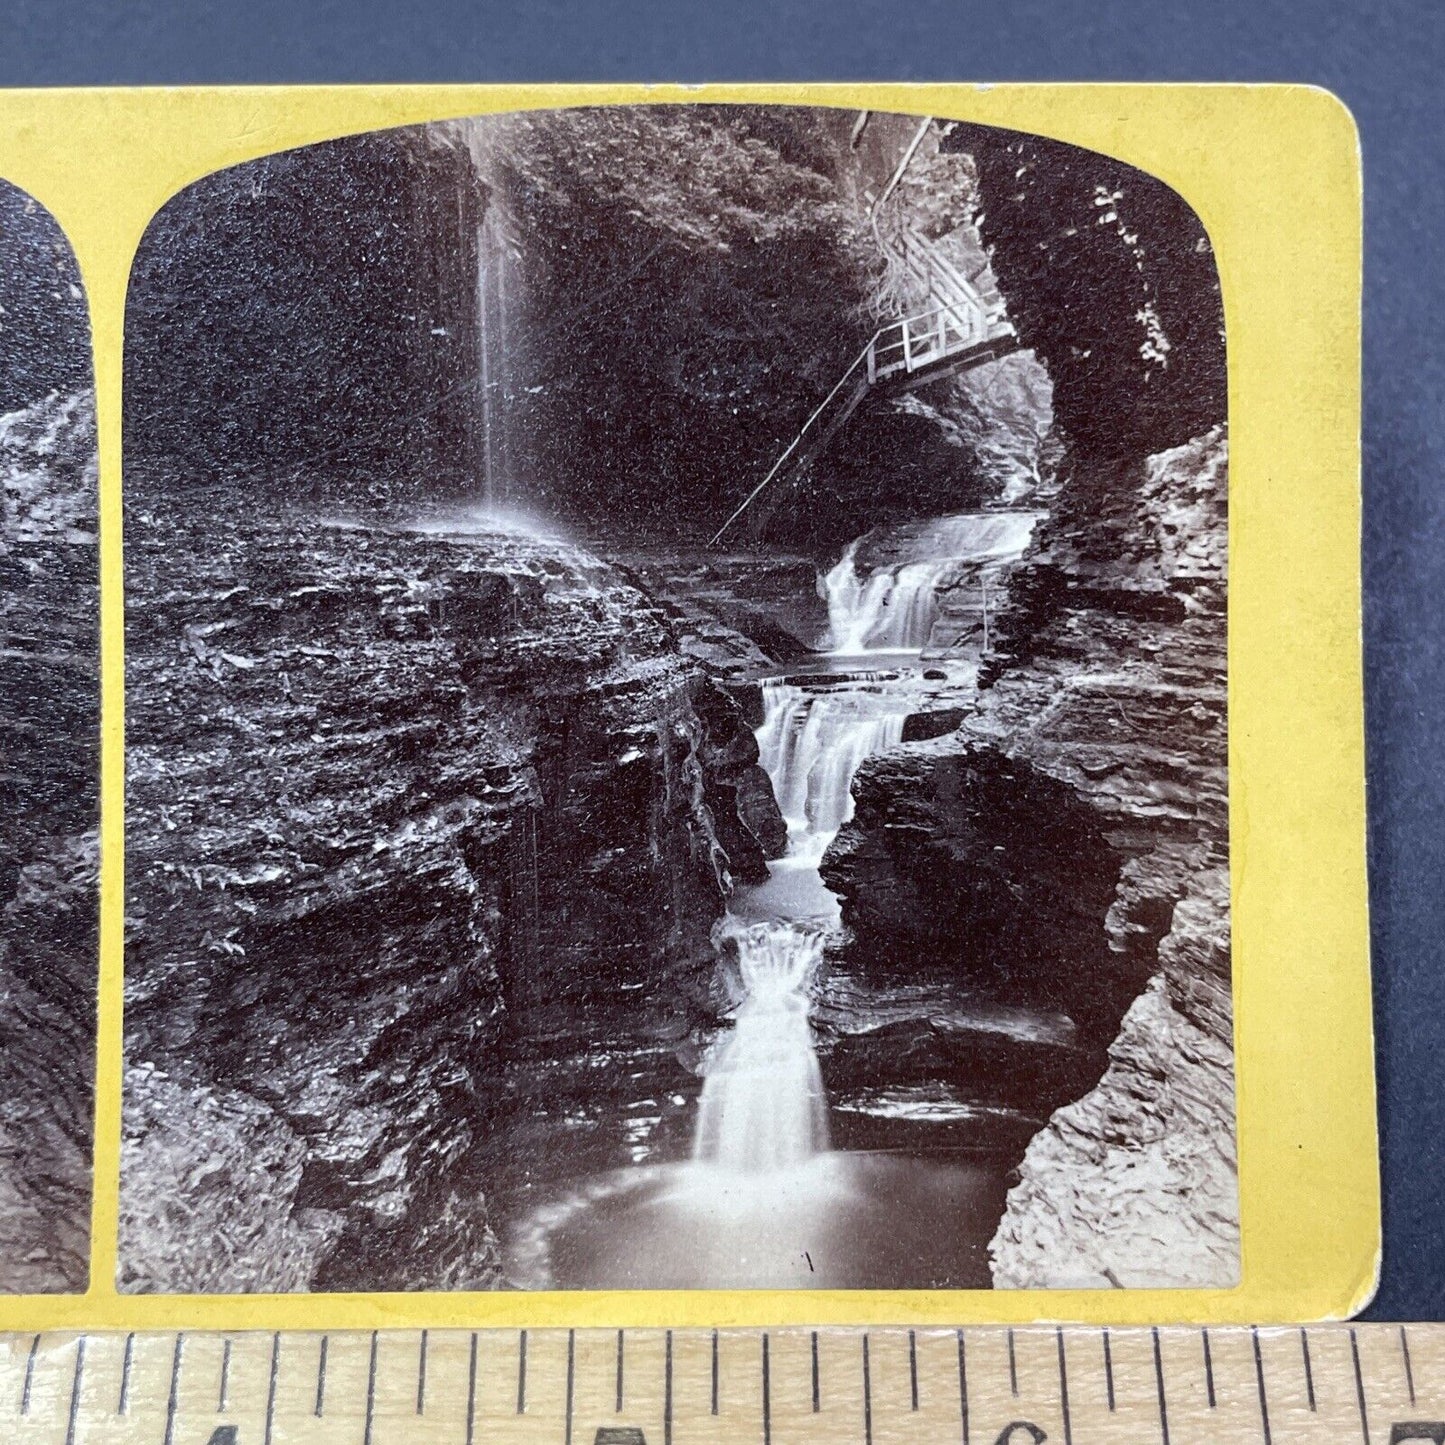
894,606
811,744
763,1107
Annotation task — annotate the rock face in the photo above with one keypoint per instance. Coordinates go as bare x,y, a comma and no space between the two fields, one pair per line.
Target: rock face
50,718
1074,832
1136,1185
388,792
319,302
1110,279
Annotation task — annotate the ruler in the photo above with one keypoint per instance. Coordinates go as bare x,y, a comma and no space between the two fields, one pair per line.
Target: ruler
1376,1384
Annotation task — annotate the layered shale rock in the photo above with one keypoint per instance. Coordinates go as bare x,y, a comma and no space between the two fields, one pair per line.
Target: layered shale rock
1072,834
49,795
1136,1185
387,790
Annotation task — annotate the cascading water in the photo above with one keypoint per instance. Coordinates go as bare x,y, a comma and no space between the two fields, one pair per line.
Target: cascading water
811,744
762,1107
894,606
765,1200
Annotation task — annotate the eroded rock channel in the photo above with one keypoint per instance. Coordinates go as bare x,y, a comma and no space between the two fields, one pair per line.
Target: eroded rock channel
529,886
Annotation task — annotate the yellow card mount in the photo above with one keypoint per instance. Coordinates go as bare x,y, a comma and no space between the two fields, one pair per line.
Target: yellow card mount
713,738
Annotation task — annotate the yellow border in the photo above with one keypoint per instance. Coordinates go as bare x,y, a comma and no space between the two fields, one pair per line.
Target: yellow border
1273,172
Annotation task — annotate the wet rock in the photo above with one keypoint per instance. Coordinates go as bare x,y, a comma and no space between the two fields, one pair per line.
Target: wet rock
1063,839
740,614
919,727
748,822
1135,1185
389,793
49,800
961,853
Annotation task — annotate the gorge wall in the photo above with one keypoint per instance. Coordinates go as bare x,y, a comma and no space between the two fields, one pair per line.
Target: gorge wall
389,793
1074,829
49,848
49,780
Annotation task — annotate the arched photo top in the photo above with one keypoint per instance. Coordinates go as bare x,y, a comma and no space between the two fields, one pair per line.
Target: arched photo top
697,595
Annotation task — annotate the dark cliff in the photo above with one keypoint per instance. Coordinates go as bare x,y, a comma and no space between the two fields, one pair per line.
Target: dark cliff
308,323
49,804
50,777
1110,279
387,792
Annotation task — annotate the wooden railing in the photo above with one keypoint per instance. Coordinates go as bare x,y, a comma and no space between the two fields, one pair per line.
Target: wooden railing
964,329
916,342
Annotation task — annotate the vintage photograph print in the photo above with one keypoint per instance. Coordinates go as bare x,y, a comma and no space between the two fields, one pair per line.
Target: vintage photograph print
50,731
676,714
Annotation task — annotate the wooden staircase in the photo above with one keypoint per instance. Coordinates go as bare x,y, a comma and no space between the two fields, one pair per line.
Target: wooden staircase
962,330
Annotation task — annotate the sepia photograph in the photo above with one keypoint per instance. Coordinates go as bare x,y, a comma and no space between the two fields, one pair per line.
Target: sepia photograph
676,714
50,780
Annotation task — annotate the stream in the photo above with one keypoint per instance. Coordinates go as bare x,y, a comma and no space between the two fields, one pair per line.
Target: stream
765,1198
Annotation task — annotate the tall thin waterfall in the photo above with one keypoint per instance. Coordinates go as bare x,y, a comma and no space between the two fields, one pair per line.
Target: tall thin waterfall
894,606
763,1106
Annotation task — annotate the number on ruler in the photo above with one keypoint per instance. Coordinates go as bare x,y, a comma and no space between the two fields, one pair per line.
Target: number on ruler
1433,1430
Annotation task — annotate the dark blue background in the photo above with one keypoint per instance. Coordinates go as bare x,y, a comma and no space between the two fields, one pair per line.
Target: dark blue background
1386,60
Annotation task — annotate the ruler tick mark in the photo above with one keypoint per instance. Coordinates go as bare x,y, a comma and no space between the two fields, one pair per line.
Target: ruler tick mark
1208,1369
271,1387
962,1387
867,1395
1109,1370
1013,1369
29,1376
767,1396
1409,1369
522,1374
1304,1344
472,1390
1159,1377
714,1372
1360,1388
321,1377
175,1390
1064,1389
618,1406
571,1379
421,1376
913,1368
225,1374
370,1391
75,1391
122,1405
817,1401
1259,1377
667,1386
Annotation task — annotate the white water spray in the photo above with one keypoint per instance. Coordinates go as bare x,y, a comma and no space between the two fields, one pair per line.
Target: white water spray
763,1108
811,745
893,608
